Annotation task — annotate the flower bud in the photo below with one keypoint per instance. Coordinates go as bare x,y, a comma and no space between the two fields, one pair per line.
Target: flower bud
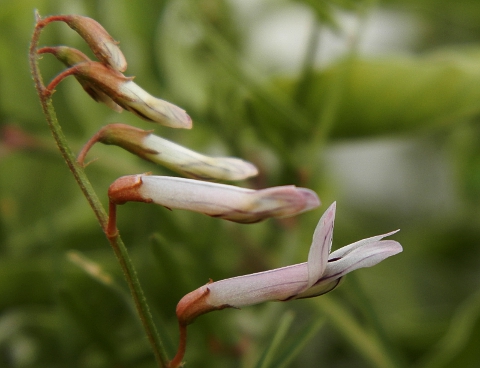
71,56
147,107
128,95
98,39
217,200
173,156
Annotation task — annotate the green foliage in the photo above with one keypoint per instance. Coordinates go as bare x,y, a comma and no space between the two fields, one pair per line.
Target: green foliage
344,130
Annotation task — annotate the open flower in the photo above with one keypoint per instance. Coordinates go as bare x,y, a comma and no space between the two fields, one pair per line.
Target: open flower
217,200
319,275
177,158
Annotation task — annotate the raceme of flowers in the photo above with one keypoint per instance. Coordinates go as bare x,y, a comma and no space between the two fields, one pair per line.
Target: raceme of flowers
105,82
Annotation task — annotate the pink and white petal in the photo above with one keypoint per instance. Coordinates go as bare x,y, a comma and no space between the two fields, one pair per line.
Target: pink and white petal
278,284
318,290
367,255
321,245
226,201
342,252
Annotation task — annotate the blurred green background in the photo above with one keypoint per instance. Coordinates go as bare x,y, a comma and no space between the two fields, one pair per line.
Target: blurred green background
374,104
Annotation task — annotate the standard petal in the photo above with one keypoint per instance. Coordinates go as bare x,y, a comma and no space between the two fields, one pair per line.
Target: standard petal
321,244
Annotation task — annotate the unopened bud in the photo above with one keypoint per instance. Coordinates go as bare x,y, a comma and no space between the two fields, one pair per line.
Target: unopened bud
70,57
217,200
98,39
127,94
173,156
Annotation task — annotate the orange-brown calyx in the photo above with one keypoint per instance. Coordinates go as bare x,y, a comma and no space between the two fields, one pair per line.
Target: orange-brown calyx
195,304
126,189
127,137
103,77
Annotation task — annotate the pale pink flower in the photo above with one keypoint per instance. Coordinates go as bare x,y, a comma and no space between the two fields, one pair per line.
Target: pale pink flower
217,200
319,275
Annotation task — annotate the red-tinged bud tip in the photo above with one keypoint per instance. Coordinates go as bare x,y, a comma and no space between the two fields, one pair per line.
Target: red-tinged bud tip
195,304
125,189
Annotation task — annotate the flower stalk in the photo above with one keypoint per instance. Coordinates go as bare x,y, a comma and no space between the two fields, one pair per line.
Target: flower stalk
91,196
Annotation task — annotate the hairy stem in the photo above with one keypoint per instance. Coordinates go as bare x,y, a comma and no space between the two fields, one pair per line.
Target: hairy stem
79,174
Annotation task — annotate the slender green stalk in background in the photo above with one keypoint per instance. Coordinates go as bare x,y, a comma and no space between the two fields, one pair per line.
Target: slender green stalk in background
81,178
272,349
366,344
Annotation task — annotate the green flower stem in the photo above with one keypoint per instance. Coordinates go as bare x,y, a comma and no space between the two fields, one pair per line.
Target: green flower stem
78,172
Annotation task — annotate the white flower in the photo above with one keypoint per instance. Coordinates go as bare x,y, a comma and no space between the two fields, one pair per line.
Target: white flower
319,275
217,200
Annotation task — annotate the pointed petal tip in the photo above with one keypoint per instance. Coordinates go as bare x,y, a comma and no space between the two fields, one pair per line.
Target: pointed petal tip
332,208
329,215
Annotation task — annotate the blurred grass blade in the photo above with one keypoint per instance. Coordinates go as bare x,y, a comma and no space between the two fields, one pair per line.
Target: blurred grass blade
298,343
96,272
272,349
457,336
92,269
366,344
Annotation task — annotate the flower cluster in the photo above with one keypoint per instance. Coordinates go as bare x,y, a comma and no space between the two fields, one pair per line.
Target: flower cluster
104,81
